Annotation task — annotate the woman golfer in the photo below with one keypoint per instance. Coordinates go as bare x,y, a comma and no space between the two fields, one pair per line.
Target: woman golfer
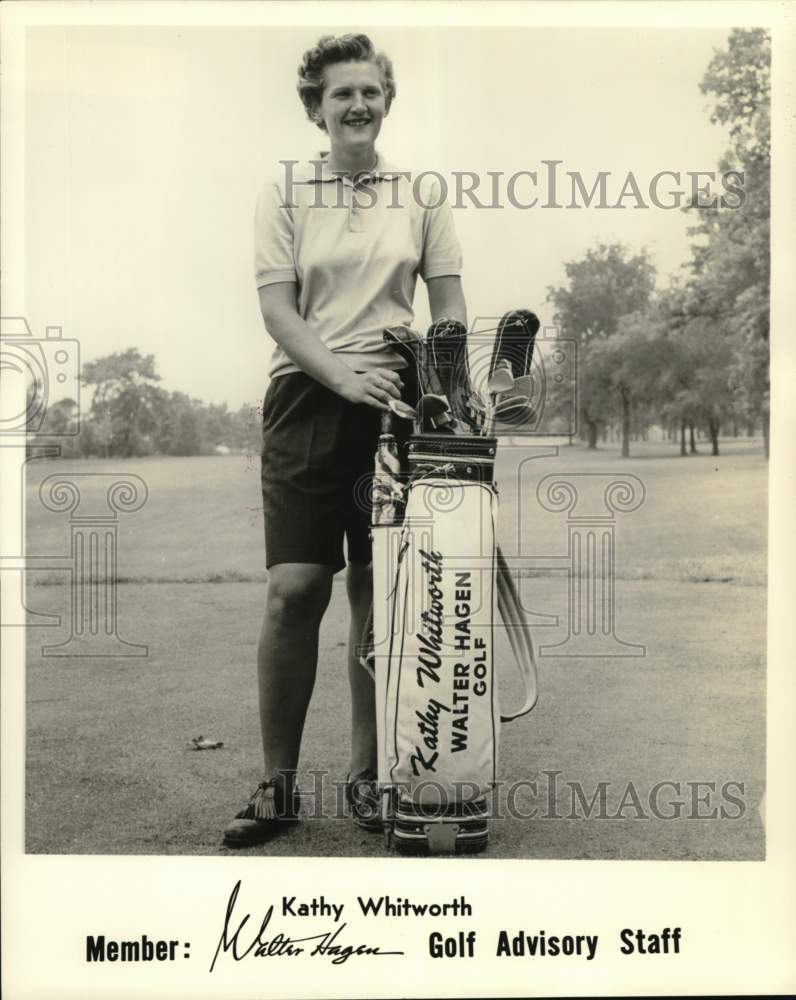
339,243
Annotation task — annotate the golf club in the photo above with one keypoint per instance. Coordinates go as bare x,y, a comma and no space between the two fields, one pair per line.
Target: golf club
447,345
500,380
402,409
406,412
435,414
513,410
412,348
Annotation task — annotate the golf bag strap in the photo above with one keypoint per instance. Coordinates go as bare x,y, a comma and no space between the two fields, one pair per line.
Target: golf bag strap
519,634
366,654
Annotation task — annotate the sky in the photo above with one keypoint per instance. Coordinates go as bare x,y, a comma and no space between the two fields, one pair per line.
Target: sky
146,148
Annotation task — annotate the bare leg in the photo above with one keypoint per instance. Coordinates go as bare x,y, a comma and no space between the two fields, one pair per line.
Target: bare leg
359,585
287,657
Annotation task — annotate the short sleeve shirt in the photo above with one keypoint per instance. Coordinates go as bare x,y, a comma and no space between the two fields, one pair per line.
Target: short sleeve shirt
354,251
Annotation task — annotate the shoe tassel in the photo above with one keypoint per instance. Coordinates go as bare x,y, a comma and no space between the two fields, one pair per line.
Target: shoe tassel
263,802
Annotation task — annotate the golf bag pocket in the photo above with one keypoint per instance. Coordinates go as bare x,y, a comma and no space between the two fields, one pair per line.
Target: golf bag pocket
441,713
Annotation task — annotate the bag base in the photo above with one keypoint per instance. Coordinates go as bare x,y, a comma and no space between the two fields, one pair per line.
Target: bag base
461,828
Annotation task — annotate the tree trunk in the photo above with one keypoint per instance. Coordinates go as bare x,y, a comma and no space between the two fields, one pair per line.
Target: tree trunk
691,442
591,433
750,429
625,425
682,438
605,434
713,427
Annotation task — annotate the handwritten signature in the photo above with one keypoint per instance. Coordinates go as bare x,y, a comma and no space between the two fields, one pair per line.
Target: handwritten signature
279,945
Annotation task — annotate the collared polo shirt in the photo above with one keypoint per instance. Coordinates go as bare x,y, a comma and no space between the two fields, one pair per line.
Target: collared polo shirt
354,250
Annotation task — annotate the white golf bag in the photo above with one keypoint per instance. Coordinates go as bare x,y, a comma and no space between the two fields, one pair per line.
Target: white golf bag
439,583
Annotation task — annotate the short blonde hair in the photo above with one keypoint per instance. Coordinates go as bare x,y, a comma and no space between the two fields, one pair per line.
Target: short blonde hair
330,50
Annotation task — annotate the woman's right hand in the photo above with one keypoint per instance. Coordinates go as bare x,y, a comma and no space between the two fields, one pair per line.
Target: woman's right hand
375,388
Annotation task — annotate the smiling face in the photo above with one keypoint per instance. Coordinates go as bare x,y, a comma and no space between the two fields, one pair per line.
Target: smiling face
353,104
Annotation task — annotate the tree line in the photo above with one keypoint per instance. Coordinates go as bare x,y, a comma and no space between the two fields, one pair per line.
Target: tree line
131,416
694,355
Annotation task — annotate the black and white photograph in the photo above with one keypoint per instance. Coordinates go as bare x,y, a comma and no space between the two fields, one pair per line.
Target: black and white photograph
396,483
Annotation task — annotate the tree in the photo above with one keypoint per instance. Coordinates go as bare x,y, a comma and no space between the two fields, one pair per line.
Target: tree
730,266
247,429
604,286
124,405
697,385
676,378
177,425
629,364
595,397
62,417
707,396
188,441
59,425
740,81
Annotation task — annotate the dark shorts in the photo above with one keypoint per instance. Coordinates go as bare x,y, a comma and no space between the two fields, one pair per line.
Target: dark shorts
317,465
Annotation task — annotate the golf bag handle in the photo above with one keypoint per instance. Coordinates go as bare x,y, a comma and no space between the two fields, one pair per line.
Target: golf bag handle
519,633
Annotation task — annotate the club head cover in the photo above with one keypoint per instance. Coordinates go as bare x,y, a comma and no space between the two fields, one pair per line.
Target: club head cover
514,341
410,346
447,348
435,414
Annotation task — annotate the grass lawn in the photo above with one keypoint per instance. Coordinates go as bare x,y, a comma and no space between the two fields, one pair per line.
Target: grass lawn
107,739
703,517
